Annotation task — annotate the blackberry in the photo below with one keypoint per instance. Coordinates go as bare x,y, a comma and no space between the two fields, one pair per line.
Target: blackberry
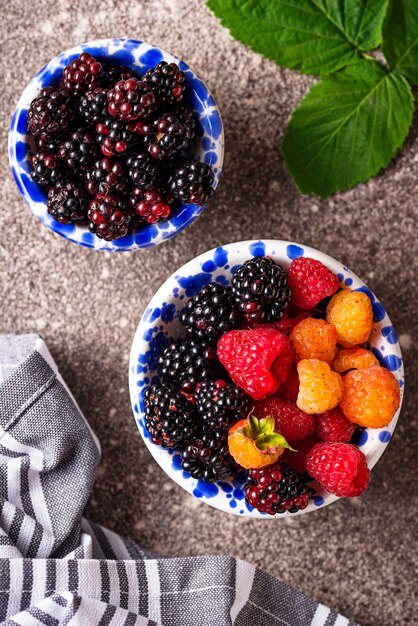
79,151
167,82
50,113
112,74
82,74
130,100
143,170
207,457
47,169
150,205
221,404
169,418
67,202
211,313
109,217
192,183
187,362
93,106
277,488
171,133
261,290
48,144
115,136
107,176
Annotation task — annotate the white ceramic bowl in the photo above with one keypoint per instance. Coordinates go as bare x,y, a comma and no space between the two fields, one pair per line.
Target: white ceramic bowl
160,323
139,56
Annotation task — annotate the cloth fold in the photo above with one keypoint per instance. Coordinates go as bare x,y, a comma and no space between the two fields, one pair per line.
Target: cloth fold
56,568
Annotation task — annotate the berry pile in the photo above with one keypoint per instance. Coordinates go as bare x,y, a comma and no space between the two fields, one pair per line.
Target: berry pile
273,377
114,149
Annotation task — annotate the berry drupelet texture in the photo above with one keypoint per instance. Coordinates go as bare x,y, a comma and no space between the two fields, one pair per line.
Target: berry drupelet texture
207,457
79,151
67,202
93,106
107,175
169,417
261,290
150,205
109,217
47,170
130,100
211,313
187,362
82,74
167,82
220,404
277,488
192,183
50,113
170,134
143,171
114,136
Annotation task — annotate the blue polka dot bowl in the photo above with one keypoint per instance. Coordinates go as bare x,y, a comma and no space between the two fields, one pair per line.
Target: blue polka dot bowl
140,56
160,323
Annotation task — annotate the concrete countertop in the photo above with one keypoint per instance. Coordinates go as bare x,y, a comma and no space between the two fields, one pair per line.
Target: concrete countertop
357,556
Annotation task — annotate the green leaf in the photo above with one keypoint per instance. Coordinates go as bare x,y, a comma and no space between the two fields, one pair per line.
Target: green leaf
400,37
312,36
275,440
347,128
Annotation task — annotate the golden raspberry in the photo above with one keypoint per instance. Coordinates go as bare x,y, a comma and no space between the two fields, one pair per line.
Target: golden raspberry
371,396
352,315
314,339
354,359
320,389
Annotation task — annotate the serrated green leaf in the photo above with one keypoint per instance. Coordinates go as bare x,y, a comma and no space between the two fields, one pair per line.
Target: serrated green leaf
400,37
347,128
312,36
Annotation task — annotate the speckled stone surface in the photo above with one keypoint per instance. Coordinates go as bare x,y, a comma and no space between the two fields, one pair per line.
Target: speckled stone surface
357,556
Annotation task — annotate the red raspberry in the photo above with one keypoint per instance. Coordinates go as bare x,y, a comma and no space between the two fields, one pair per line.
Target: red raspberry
290,320
310,282
340,468
334,426
297,459
290,388
291,422
254,360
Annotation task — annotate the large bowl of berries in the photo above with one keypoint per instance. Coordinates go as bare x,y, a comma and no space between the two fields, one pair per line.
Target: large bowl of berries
266,379
116,145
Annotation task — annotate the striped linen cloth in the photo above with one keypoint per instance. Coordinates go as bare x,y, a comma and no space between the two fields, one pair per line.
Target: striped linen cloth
58,569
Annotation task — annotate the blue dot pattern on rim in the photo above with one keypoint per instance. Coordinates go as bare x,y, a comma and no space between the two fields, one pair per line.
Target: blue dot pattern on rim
160,324
139,56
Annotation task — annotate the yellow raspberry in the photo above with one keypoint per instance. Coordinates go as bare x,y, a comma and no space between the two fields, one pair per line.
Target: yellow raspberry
314,339
352,315
371,396
320,389
354,359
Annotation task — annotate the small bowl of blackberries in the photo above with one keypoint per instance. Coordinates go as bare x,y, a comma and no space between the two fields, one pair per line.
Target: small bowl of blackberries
266,379
116,145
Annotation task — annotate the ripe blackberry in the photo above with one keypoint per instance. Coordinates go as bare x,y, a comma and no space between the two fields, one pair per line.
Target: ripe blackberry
261,290
186,362
107,176
143,170
150,205
221,404
130,100
167,82
51,112
47,169
93,106
169,418
192,183
48,144
112,74
109,217
207,457
171,133
277,488
211,313
67,202
82,74
79,151
115,136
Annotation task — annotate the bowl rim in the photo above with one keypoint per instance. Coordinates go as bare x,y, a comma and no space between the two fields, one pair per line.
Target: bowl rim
140,345
187,213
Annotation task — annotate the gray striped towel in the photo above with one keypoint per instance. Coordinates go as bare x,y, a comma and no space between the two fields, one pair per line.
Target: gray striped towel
57,569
